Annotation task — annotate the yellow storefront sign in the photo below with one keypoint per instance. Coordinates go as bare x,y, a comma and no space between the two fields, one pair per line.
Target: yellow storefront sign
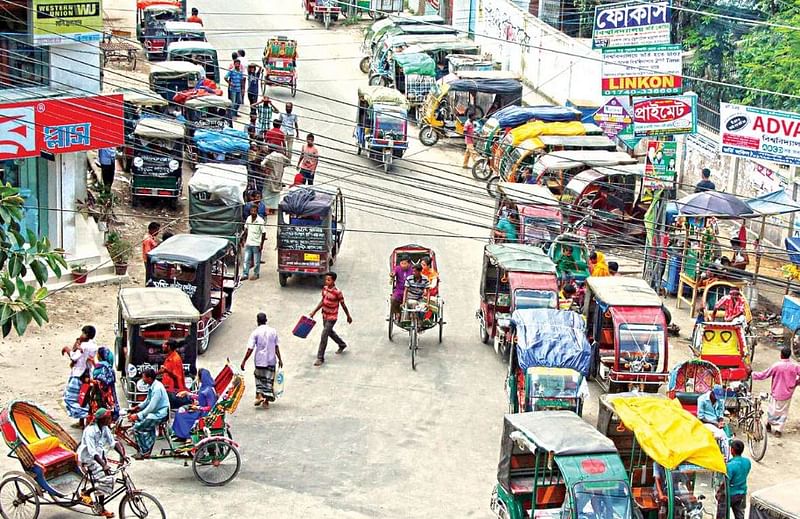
58,22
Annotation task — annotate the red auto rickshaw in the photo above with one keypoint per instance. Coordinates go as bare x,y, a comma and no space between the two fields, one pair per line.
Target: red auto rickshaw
540,216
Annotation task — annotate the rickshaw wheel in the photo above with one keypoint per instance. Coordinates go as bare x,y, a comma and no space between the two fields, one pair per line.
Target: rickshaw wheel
481,170
491,186
391,326
428,136
202,345
441,321
18,498
412,340
757,439
363,65
795,342
216,463
140,504
484,333
377,80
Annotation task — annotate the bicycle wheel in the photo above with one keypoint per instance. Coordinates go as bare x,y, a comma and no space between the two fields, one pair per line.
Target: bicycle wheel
757,439
216,462
412,340
18,498
140,504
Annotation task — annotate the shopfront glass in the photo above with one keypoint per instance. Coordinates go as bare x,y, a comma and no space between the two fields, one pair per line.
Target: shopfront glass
30,177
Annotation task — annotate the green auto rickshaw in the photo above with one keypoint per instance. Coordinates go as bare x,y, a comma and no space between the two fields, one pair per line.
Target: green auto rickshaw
198,52
170,77
157,160
137,105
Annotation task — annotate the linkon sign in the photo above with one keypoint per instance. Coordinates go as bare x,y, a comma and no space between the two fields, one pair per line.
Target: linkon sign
642,85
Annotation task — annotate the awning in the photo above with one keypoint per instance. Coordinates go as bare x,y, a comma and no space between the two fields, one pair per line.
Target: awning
777,202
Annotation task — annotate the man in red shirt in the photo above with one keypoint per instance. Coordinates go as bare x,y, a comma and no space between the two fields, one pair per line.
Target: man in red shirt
149,243
332,297
469,139
732,305
172,375
194,18
275,139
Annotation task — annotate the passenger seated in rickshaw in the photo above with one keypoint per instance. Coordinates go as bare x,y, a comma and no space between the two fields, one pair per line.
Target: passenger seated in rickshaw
202,402
506,229
711,411
148,415
525,176
566,298
416,290
431,274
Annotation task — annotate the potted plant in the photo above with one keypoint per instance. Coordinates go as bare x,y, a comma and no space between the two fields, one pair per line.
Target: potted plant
120,252
79,272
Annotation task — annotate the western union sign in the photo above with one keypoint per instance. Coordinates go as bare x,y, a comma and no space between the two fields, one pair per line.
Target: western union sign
60,22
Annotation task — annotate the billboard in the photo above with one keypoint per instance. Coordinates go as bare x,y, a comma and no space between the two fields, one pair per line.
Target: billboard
642,70
60,126
613,117
660,163
56,22
629,24
664,115
758,133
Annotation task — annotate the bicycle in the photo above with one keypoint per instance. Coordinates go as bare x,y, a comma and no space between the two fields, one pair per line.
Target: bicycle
748,415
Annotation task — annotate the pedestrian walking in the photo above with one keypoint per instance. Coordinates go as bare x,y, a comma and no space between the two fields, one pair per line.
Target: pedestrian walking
784,375
332,298
149,242
81,363
469,139
255,232
254,72
308,161
290,129
264,341
738,470
195,18
705,184
108,166
235,80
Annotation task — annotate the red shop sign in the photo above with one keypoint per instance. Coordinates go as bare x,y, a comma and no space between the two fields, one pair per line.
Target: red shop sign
660,110
60,126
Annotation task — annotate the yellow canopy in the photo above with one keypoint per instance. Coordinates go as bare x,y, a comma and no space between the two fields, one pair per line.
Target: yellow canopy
669,434
536,128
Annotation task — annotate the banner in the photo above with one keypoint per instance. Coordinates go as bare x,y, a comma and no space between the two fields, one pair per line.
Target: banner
613,117
646,69
56,22
630,24
60,126
660,162
664,115
758,133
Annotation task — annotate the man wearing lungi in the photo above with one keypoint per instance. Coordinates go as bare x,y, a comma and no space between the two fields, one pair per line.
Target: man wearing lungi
264,340
784,374
149,414
97,439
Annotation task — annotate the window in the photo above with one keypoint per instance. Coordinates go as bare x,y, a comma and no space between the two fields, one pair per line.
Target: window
22,65
535,299
30,177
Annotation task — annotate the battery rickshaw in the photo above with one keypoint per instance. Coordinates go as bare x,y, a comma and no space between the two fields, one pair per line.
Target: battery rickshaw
556,169
197,265
413,75
210,112
628,330
198,52
539,212
170,77
375,32
311,225
324,11
514,276
550,359
422,317
725,345
457,61
157,160
779,501
151,15
138,104
554,465
184,31
51,476
227,145
570,253
381,67
455,96
382,127
280,64
675,465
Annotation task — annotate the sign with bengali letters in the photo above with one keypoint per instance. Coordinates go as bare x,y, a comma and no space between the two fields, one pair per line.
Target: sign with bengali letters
630,24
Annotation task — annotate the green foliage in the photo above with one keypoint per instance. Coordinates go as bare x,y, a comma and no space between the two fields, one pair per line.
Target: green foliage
22,302
119,250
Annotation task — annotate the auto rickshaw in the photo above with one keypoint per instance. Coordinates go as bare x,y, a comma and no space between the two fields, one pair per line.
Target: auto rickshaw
674,463
157,160
382,61
170,77
626,324
381,124
204,113
556,169
228,145
413,75
554,465
690,379
184,31
374,33
151,15
550,358
198,52
280,64
779,501
138,104
197,265
311,225
514,276
437,51
146,318
570,253
324,11
455,96
539,212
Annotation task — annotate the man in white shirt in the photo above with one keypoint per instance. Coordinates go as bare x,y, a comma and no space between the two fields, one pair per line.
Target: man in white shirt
81,362
97,439
255,231
264,341
289,127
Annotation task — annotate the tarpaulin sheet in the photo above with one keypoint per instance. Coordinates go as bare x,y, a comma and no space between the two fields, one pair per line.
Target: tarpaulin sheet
552,339
489,86
537,128
790,313
226,141
416,63
669,434
513,116
307,202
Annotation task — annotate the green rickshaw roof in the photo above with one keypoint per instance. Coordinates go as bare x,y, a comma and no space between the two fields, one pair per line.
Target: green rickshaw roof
416,63
158,128
518,257
461,44
382,95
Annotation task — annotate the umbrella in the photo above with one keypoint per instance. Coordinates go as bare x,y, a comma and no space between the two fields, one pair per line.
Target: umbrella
713,203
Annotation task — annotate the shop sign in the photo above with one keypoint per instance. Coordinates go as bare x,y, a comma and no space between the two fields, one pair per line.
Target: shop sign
664,115
60,126
612,117
630,24
660,162
56,22
642,70
758,133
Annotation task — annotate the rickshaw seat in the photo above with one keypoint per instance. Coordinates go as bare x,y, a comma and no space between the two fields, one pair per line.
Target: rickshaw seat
520,486
51,457
688,401
645,498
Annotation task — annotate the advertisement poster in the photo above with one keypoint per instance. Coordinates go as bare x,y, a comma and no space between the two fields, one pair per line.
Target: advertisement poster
631,23
57,22
613,117
642,70
60,126
664,115
660,162
758,133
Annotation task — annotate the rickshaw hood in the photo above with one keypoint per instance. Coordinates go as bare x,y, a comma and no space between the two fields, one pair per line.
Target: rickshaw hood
415,63
552,339
158,128
537,128
637,315
382,95
156,305
224,182
623,291
514,116
779,501
532,281
189,249
520,258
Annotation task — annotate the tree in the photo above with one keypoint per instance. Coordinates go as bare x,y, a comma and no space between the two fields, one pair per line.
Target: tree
22,302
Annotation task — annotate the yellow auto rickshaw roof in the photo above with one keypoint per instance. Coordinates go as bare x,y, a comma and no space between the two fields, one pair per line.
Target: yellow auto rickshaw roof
534,129
206,101
668,433
143,97
527,194
623,291
153,305
382,95
158,128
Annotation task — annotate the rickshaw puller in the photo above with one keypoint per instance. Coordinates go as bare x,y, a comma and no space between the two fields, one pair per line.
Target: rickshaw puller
97,438
149,414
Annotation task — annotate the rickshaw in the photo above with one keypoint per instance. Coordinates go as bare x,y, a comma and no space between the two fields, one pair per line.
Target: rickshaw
138,104
514,276
151,15
550,358
170,77
725,345
228,145
674,463
381,124
280,64
716,290
204,113
198,52
311,225
374,32
412,319
455,96
436,50
197,265
382,61
413,75
690,379
554,465
146,317
628,330
539,212
322,10
51,476
570,253
184,31
156,168
779,501
556,169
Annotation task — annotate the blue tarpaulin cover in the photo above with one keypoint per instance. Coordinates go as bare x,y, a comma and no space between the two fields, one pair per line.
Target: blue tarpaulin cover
513,116
777,202
793,248
226,141
552,339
